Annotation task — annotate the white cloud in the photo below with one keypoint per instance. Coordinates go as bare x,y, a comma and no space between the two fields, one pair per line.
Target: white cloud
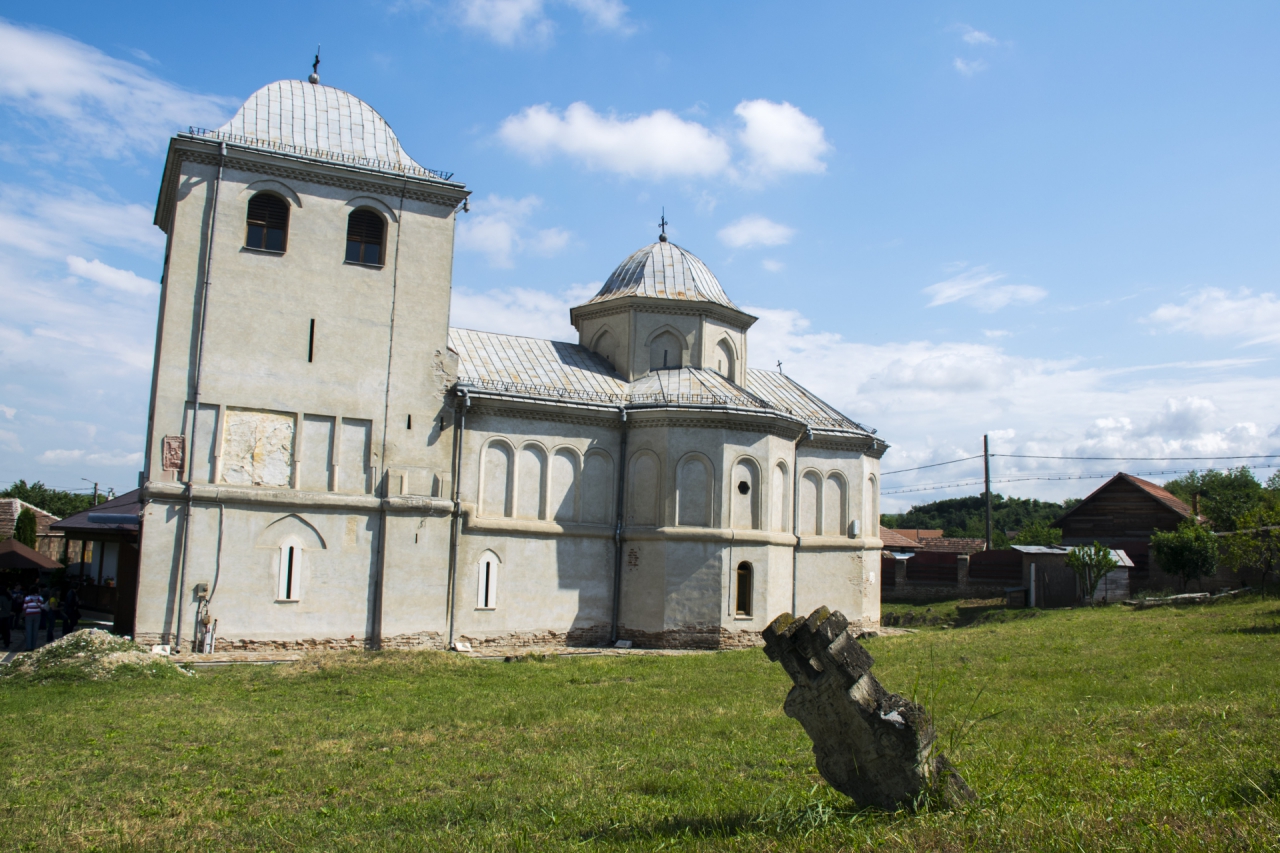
776,138
978,287
69,457
8,412
497,227
659,144
933,401
111,104
9,441
969,67
781,138
997,333
1215,313
771,265
508,22
755,230
520,311
975,37
48,224
109,276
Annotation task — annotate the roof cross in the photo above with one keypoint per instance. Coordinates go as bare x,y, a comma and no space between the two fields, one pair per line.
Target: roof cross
662,224
315,68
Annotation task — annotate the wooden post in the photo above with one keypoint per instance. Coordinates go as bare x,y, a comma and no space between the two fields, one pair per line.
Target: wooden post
986,472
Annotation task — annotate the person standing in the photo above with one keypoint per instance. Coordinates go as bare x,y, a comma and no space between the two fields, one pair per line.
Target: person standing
32,610
70,610
6,619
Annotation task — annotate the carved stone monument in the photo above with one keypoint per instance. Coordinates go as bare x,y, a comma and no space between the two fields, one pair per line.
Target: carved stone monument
871,745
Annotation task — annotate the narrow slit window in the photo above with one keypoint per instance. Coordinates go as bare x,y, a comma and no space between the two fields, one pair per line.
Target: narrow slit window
290,586
267,223
487,592
311,343
365,234
743,604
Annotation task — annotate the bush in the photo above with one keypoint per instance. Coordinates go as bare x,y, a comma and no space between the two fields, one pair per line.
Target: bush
1091,563
24,529
1189,552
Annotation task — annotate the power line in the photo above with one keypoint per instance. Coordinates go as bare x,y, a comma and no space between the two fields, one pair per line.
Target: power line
1139,458
937,486
934,465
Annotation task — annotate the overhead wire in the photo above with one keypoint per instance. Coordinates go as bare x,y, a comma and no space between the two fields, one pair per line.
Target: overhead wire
929,487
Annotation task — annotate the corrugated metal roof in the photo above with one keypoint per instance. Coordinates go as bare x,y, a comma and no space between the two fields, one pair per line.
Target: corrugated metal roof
664,271
555,370
310,116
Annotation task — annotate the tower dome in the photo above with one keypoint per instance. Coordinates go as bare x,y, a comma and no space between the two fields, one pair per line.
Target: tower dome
318,121
663,270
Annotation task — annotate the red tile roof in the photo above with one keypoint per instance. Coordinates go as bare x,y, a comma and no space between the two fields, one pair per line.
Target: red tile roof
1159,494
895,541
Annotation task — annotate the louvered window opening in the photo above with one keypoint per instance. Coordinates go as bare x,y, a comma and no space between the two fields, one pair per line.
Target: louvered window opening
268,223
364,238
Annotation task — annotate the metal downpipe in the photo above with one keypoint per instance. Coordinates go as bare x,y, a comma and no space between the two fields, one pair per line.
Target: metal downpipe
195,409
617,533
795,518
456,522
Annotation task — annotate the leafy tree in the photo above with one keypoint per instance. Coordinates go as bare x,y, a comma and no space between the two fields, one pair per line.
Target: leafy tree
1256,545
1038,532
1224,495
24,529
1091,563
967,516
53,501
1190,551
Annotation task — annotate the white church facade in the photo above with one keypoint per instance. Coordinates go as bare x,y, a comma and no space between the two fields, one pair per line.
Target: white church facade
329,464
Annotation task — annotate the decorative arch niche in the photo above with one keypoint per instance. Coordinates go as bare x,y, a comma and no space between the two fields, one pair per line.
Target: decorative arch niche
496,475
725,359
744,495
694,491
666,349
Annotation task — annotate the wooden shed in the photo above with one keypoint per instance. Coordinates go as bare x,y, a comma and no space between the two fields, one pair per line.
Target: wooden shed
1122,514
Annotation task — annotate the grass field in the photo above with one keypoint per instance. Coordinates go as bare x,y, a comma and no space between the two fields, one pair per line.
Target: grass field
1080,730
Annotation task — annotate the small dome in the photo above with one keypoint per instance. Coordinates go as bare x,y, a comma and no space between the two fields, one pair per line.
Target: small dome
322,119
664,271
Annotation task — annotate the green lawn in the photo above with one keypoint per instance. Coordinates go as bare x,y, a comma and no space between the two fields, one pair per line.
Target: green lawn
1112,730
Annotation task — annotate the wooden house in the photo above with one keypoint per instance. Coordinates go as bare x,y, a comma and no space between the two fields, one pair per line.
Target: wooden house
1122,514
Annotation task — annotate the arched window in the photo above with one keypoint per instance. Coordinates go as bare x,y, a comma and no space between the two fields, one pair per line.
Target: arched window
743,597
724,359
267,223
666,352
365,233
290,577
487,581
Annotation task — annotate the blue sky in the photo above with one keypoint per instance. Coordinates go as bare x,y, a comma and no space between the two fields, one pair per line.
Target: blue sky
1054,225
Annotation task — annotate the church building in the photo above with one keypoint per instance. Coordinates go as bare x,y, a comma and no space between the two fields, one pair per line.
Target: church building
329,464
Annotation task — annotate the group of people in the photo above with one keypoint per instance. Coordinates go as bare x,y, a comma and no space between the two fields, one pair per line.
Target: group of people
35,609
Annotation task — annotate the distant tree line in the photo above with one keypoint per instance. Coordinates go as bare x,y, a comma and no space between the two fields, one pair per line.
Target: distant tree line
966,517
53,501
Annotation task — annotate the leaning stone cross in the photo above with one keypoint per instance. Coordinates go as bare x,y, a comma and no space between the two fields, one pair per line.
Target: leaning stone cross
871,745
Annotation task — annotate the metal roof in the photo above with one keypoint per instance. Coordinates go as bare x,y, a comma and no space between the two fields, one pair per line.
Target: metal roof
663,270
310,117
558,371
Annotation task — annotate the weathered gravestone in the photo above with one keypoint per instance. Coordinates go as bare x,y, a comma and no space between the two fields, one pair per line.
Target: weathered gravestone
871,745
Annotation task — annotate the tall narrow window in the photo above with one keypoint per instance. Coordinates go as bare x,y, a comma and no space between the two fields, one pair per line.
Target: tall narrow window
365,231
290,581
487,581
743,606
268,223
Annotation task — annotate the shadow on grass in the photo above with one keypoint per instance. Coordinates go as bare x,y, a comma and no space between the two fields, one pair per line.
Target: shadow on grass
789,819
1256,629
1252,791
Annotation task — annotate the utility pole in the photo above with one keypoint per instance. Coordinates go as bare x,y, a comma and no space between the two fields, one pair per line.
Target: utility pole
986,473
95,490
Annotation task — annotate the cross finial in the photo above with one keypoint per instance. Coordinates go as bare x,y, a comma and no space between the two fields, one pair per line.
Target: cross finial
315,68
779,366
662,224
